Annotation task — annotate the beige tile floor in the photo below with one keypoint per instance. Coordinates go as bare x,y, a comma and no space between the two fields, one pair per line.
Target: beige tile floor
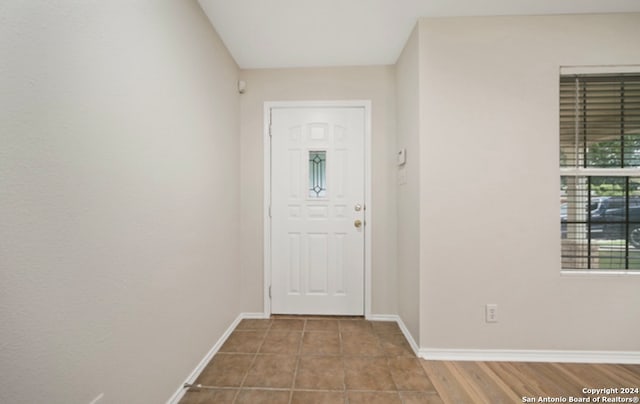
314,360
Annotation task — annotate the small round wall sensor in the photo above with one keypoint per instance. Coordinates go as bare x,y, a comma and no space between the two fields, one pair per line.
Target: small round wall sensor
242,86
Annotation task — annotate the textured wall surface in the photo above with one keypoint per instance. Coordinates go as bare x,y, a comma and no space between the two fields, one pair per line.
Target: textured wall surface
408,189
119,198
490,186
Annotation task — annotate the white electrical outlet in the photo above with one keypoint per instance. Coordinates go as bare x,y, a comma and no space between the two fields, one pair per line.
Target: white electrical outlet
491,313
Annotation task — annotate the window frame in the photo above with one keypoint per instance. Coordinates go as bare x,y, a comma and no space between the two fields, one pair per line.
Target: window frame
579,170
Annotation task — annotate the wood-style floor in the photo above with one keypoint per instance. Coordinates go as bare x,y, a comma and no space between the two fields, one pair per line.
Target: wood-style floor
518,382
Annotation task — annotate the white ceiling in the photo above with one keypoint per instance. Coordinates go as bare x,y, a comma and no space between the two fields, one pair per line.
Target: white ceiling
304,33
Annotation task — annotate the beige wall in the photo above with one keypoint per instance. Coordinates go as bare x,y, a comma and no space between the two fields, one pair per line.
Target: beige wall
119,198
490,186
125,172
408,192
372,83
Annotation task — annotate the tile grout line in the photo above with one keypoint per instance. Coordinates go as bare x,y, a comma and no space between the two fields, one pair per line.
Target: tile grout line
298,354
387,357
236,388
255,356
345,396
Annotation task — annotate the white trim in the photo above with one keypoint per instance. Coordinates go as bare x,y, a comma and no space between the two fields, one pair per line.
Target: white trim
179,393
403,328
266,265
601,69
409,337
599,273
259,316
368,204
602,172
382,317
505,355
366,105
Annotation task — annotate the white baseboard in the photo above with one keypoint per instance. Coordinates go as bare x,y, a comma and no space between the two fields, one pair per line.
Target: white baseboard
403,327
177,396
506,355
254,315
383,317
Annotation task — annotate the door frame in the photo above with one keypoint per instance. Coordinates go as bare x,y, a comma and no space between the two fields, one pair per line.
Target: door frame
268,106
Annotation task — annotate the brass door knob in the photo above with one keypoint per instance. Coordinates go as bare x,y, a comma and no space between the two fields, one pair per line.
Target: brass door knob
357,223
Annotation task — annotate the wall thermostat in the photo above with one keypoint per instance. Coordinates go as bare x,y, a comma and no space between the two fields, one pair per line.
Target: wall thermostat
401,158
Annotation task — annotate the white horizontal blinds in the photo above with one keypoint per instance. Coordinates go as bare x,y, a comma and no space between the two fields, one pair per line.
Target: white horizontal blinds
600,121
599,161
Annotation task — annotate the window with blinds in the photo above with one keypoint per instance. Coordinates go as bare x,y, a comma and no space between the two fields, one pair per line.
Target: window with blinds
600,171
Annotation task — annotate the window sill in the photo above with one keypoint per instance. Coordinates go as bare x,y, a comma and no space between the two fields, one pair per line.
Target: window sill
599,273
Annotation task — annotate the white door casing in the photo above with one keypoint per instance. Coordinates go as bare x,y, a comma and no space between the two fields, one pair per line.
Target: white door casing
315,261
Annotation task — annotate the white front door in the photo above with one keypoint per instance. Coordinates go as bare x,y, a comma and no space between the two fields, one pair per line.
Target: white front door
317,210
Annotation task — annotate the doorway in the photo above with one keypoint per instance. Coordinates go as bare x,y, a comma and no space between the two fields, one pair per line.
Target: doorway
317,221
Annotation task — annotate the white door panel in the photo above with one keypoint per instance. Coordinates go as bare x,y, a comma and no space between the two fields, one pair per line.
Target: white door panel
317,180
